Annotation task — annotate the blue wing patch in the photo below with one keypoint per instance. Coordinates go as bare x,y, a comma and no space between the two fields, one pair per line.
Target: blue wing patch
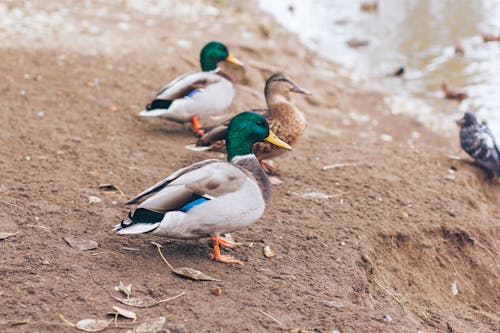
192,204
193,92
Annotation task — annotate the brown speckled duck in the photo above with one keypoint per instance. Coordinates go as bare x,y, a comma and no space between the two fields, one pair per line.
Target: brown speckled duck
284,119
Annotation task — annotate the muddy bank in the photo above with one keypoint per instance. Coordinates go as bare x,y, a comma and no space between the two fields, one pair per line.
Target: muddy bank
378,251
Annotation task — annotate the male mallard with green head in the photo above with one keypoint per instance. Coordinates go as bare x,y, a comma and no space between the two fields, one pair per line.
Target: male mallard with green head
211,197
284,119
192,95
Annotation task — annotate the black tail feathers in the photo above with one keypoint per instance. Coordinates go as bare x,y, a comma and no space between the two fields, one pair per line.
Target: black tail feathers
159,104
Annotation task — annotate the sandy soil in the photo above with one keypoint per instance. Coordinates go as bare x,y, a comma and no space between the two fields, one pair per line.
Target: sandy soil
379,253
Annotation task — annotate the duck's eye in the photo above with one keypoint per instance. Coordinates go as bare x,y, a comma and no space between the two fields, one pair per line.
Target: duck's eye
260,123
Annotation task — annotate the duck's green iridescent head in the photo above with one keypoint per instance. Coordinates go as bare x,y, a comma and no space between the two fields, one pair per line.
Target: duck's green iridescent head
244,130
214,52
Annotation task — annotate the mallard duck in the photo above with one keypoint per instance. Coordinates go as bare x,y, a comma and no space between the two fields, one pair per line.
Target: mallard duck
284,118
478,141
211,197
205,93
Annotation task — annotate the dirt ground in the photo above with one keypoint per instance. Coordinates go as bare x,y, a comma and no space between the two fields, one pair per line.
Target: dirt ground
373,245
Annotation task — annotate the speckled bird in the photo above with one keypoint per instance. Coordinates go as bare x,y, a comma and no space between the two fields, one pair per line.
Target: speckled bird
478,141
284,119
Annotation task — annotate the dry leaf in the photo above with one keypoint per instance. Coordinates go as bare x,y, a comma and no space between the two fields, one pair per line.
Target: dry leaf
151,326
268,252
108,187
81,243
125,313
127,290
5,235
138,302
111,188
92,325
193,274
186,271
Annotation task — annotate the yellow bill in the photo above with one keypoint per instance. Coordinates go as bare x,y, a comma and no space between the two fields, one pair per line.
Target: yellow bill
232,60
272,138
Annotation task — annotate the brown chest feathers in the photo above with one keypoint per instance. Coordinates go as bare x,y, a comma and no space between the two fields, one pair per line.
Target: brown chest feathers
288,123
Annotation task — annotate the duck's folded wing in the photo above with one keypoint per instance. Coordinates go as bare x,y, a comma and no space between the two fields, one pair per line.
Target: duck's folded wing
162,184
187,85
218,132
213,134
194,187
191,187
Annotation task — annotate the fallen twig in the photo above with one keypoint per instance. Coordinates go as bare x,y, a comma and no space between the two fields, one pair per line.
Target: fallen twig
38,226
171,298
271,317
484,247
103,251
14,322
338,165
186,272
388,292
158,247
66,321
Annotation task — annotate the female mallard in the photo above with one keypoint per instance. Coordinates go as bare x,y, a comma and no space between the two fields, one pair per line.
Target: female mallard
196,94
284,119
212,197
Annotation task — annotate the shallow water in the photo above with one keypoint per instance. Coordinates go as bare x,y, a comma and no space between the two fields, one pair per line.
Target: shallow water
417,34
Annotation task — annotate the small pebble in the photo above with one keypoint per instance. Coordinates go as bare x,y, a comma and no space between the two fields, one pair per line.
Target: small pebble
185,44
124,26
454,288
385,137
216,291
94,199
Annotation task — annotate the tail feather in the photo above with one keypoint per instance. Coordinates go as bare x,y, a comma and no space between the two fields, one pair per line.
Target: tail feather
142,221
156,108
159,104
137,228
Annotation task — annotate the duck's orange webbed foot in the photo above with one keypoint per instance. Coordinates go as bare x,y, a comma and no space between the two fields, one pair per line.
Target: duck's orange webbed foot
195,123
217,256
